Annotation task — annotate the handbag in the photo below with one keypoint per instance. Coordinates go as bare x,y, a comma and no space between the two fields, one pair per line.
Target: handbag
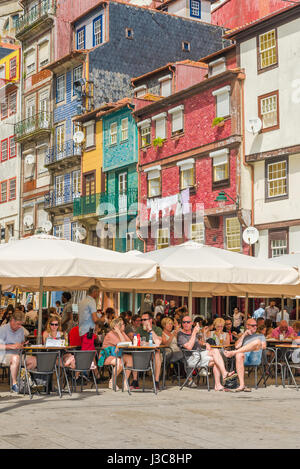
231,383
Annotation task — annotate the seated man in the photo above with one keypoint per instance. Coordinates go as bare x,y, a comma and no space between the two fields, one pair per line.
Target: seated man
12,340
248,352
233,332
283,330
188,340
144,331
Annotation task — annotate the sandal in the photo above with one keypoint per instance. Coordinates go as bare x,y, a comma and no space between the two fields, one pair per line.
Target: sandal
230,375
245,389
110,385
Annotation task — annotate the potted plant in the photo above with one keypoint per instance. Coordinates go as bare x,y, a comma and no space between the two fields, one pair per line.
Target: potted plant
218,122
158,142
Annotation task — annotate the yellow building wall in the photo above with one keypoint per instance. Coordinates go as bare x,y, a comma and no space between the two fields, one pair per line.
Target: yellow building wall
5,61
92,160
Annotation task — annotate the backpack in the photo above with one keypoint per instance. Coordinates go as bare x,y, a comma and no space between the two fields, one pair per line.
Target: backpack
231,383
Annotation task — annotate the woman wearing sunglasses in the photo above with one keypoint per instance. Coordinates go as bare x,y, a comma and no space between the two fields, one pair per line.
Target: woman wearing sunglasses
54,331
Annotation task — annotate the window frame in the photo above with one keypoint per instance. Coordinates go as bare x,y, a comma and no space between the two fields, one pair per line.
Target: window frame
9,189
14,68
175,111
113,134
82,29
223,182
7,150
3,182
149,127
126,129
272,235
158,177
157,238
9,97
270,67
225,90
73,76
15,145
203,229
274,161
4,102
191,9
259,101
64,88
100,17
225,234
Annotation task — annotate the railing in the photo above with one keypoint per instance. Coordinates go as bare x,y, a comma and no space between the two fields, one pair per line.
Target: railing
40,121
60,152
106,204
56,199
38,11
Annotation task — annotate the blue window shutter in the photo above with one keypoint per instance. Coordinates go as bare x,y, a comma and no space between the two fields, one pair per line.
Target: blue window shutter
195,8
67,228
67,188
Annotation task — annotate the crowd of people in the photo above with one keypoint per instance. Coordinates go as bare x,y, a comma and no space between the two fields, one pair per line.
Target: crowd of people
168,325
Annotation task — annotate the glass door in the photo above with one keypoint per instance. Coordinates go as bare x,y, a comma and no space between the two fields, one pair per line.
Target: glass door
122,192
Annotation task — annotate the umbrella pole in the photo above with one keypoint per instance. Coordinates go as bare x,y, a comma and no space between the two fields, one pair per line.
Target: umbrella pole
246,308
205,308
191,299
282,306
133,301
39,339
0,295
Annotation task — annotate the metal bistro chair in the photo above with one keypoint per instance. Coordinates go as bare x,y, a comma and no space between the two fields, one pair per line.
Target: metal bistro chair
262,365
190,370
290,366
83,362
46,365
142,362
175,359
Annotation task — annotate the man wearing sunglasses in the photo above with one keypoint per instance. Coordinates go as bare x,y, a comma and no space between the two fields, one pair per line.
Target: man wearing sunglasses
188,339
248,351
144,331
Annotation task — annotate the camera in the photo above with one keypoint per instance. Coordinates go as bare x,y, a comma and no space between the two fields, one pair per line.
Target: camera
90,334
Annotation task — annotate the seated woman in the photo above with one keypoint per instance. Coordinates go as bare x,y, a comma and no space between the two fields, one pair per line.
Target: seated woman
54,331
112,339
268,324
218,335
169,339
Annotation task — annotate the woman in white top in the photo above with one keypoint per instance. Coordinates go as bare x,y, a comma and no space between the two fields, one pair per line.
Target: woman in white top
169,339
159,307
54,331
238,317
218,335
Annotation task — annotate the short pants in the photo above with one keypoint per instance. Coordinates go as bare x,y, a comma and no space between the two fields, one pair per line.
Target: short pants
253,358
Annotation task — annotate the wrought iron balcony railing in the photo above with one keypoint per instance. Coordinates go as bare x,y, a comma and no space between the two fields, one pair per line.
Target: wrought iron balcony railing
38,12
56,199
61,152
106,204
38,122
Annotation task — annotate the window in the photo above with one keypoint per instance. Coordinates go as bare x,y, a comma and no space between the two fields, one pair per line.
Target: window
187,178
233,234
30,62
163,238
186,46
129,33
60,140
12,189
81,38
198,233
13,68
268,111
267,47
12,103
89,134
77,74
160,125
76,184
278,242
2,71
165,86
60,88
195,8
146,136
124,129
277,179
74,232
222,96
154,182
97,29
216,67
3,192
220,162
44,53
129,241
12,147
177,119
140,91
41,160
4,108
113,133
4,150
58,231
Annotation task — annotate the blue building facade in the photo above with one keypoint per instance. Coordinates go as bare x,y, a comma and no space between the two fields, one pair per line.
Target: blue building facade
63,158
126,41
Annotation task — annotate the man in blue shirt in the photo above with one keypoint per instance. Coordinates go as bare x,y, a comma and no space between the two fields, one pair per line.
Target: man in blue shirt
260,312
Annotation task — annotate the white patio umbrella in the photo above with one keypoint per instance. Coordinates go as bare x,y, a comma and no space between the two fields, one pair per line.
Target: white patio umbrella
45,262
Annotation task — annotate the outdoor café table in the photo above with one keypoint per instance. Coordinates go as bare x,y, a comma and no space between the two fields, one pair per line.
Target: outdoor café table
162,348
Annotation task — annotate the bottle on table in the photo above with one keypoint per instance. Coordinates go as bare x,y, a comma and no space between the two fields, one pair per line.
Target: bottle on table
150,339
135,340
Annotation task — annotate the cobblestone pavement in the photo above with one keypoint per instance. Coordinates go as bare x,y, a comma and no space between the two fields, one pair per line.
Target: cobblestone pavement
191,418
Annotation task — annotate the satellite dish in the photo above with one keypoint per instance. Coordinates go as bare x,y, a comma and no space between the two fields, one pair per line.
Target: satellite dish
29,159
250,235
47,226
254,125
28,221
80,233
78,137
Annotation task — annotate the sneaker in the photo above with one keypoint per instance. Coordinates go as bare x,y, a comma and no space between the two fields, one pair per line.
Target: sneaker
135,385
157,385
192,384
15,388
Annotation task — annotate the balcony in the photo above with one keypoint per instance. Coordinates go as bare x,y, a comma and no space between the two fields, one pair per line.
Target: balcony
39,16
33,127
63,156
59,202
106,205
